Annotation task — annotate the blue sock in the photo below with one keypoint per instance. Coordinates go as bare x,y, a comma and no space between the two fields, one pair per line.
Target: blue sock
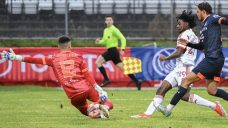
222,94
180,93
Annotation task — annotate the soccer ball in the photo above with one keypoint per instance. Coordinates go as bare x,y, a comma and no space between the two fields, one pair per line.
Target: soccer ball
94,110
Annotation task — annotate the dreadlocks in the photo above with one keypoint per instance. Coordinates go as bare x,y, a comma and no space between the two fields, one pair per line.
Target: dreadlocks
187,17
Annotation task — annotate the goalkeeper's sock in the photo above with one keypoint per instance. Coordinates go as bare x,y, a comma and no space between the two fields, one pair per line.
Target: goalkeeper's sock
193,98
158,99
103,72
222,94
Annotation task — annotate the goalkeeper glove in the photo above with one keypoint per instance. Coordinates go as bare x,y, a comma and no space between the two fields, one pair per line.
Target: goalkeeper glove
102,94
11,56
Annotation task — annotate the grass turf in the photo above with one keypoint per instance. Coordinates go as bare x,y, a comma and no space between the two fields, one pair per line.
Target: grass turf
40,107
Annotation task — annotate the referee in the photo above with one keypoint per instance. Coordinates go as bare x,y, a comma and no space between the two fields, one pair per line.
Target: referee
110,38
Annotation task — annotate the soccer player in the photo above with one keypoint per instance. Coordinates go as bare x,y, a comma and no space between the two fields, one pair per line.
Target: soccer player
110,38
210,67
185,61
72,74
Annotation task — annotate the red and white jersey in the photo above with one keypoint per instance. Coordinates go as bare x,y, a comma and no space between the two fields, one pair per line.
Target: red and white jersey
70,70
189,56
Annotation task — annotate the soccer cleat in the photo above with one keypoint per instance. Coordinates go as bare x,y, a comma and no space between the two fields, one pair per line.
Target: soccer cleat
138,85
105,83
141,116
219,109
104,112
163,110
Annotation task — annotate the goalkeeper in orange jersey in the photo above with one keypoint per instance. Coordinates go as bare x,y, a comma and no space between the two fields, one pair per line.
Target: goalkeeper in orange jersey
110,38
72,74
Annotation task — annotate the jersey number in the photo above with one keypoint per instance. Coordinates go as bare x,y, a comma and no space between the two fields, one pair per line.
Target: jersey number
67,68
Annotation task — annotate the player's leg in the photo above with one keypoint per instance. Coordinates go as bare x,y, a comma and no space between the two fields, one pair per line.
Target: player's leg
115,57
214,91
197,74
80,103
100,60
105,106
157,100
170,81
186,82
132,76
213,78
196,99
200,72
167,84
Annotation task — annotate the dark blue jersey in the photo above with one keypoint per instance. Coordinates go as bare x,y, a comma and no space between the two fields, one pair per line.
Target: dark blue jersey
210,37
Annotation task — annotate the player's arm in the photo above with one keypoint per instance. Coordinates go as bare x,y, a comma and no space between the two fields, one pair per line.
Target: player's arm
102,41
12,56
84,68
44,60
122,39
198,46
223,20
176,54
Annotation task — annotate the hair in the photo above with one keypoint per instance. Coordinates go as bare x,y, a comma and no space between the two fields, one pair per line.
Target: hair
206,7
64,39
187,17
108,16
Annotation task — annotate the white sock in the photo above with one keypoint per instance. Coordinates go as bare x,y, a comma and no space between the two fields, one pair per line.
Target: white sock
158,99
201,101
169,107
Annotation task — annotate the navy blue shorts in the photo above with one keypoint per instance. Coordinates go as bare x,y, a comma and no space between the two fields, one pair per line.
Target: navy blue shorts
112,54
209,68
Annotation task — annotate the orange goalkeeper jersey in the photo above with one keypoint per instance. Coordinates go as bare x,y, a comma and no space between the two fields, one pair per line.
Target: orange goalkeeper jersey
70,70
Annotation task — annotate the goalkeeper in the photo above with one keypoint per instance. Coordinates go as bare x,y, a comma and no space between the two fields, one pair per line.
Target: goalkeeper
72,74
110,39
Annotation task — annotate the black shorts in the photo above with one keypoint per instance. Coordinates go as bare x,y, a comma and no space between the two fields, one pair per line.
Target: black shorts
112,54
209,68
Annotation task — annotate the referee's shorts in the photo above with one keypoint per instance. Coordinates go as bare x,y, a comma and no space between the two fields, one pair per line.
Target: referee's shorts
112,54
209,68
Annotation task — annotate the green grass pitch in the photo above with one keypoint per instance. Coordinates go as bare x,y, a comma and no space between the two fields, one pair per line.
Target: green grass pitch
40,107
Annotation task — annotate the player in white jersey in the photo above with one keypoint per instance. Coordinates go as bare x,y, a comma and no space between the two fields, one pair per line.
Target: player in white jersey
186,58
185,61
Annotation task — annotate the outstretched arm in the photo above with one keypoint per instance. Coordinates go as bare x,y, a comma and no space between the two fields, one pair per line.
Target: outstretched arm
223,20
44,60
12,56
198,46
176,54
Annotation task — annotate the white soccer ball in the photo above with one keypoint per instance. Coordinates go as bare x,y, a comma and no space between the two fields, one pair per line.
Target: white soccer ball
94,110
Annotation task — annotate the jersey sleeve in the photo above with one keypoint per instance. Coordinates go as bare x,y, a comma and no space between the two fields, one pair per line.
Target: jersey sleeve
198,46
44,60
84,70
183,36
102,41
215,18
120,36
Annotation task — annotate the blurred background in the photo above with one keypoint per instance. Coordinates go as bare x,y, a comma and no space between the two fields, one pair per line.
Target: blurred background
84,19
148,25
